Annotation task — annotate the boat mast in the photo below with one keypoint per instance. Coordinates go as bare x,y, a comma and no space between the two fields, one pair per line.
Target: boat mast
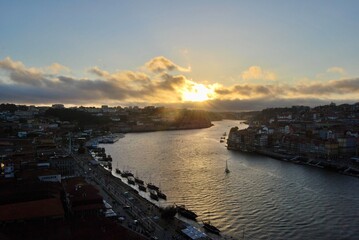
227,170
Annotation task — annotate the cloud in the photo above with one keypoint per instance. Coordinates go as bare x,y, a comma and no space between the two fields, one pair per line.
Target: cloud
119,76
22,84
338,89
56,68
252,104
336,70
99,72
161,64
246,91
127,86
9,64
20,74
256,73
172,82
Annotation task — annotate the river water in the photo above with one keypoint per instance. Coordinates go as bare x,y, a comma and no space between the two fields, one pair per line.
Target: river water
261,198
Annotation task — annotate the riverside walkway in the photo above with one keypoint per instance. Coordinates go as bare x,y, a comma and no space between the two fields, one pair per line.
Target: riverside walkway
137,213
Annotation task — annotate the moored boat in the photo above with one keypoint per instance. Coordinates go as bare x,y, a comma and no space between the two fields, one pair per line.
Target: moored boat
139,181
108,158
108,139
161,195
153,195
152,186
209,227
182,210
126,174
131,180
141,187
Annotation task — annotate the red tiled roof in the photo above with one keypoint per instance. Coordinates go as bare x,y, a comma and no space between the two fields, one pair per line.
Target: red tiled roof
51,207
24,191
102,228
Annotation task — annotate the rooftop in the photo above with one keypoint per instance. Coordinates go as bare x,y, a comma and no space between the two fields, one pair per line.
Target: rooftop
51,207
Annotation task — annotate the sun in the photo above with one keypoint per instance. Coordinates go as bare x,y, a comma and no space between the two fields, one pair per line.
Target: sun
197,93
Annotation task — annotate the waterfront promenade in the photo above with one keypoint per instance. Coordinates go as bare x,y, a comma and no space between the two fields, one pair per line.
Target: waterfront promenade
132,210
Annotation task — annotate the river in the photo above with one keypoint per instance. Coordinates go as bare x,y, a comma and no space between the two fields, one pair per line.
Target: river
261,198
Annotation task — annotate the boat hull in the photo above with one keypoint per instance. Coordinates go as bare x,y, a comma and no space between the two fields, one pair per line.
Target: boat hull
186,213
209,227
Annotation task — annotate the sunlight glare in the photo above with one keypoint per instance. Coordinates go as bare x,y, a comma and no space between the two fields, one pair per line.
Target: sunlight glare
197,93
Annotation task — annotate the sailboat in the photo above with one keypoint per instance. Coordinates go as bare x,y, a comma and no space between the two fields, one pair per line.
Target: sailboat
226,170
118,171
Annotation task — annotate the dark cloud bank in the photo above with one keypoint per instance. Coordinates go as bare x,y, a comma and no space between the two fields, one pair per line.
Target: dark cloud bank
159,86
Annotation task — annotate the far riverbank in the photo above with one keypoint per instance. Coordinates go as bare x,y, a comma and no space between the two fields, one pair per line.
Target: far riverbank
346,166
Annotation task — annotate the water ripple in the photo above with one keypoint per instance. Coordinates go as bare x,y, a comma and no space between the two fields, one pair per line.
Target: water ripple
261,198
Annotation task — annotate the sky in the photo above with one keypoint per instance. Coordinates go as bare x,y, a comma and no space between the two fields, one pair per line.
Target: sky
217,55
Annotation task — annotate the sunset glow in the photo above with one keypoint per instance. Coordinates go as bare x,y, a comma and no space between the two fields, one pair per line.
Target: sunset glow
140,53
200,98
197,93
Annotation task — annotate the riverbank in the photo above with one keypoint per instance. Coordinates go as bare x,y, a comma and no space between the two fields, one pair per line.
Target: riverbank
147,128
141,207
109,138
330,165
133,211
134,196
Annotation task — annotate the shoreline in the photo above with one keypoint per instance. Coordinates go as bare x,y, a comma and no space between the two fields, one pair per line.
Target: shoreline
93,142
177,223
301,160
129,202
160,129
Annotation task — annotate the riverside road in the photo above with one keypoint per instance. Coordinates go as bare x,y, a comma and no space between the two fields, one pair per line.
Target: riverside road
135,212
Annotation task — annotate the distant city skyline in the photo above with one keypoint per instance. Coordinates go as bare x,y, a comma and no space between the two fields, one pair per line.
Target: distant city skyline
217,55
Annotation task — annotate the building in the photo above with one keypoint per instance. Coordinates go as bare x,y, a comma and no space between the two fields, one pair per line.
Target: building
82,199
64,164
58,106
